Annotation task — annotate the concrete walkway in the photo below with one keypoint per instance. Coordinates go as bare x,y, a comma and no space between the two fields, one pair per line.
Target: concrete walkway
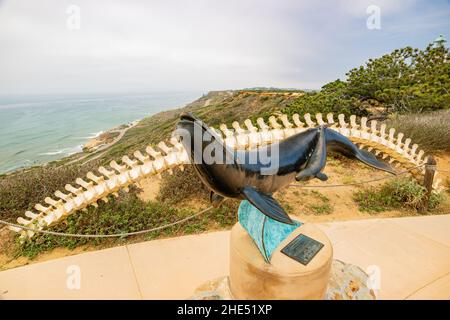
411,256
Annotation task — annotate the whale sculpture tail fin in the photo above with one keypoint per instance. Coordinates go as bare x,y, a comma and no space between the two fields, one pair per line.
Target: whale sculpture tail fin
341,144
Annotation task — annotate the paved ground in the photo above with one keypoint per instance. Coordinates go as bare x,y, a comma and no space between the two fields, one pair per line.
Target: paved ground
411,256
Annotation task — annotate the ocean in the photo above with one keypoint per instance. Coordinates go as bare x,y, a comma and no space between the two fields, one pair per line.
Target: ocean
38,129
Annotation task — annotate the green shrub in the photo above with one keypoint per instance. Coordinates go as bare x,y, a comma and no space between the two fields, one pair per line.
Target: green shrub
332,98
181,185
405,80
22,190
127,214
395,194
321,206
320,209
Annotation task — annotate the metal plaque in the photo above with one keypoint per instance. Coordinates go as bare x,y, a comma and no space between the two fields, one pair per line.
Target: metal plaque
302,249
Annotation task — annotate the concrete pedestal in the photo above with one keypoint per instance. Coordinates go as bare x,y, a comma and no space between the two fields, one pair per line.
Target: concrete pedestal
283,278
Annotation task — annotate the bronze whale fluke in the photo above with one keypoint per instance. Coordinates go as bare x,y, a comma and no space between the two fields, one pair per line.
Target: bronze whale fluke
255,174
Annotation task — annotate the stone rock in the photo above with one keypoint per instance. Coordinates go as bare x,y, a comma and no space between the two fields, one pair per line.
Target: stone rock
217,289
347,282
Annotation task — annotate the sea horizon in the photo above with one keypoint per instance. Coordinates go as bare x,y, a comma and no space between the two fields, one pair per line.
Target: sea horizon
38,128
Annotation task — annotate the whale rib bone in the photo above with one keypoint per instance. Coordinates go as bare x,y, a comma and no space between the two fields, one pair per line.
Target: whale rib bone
395,148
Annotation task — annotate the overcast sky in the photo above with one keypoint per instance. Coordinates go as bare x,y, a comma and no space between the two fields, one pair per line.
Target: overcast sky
200,45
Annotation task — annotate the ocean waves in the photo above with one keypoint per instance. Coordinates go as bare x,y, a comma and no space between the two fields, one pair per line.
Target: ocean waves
44,129
64,151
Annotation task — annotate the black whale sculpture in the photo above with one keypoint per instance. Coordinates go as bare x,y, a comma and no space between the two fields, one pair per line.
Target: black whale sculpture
246,174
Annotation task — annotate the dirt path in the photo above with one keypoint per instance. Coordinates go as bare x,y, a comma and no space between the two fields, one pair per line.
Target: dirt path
443,166
103,148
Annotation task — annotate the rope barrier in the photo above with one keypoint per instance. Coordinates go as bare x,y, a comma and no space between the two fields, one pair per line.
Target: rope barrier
356,183
74,235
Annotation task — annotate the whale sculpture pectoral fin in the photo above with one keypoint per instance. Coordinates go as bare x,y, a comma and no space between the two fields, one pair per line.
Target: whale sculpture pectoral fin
322,176
341,144
215,199
372,161
317,161
266,204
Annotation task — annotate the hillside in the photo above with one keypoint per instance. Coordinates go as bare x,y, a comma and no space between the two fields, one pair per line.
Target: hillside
214,108
157,201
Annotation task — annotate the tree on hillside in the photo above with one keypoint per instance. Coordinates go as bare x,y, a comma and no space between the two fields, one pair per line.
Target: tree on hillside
405,80
333,97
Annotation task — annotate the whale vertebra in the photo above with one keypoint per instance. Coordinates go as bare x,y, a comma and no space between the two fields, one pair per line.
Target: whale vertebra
246,174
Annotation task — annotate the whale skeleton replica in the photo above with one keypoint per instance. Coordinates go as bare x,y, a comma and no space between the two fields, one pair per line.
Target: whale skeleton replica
370,136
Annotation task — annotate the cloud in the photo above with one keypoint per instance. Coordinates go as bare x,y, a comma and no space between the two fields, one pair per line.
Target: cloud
188,45
358,7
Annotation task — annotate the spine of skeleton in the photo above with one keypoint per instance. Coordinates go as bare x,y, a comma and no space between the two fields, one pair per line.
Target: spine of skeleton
383,142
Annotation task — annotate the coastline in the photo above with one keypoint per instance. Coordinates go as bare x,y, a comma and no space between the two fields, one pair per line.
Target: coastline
95,144
102,140
41,130
106,138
